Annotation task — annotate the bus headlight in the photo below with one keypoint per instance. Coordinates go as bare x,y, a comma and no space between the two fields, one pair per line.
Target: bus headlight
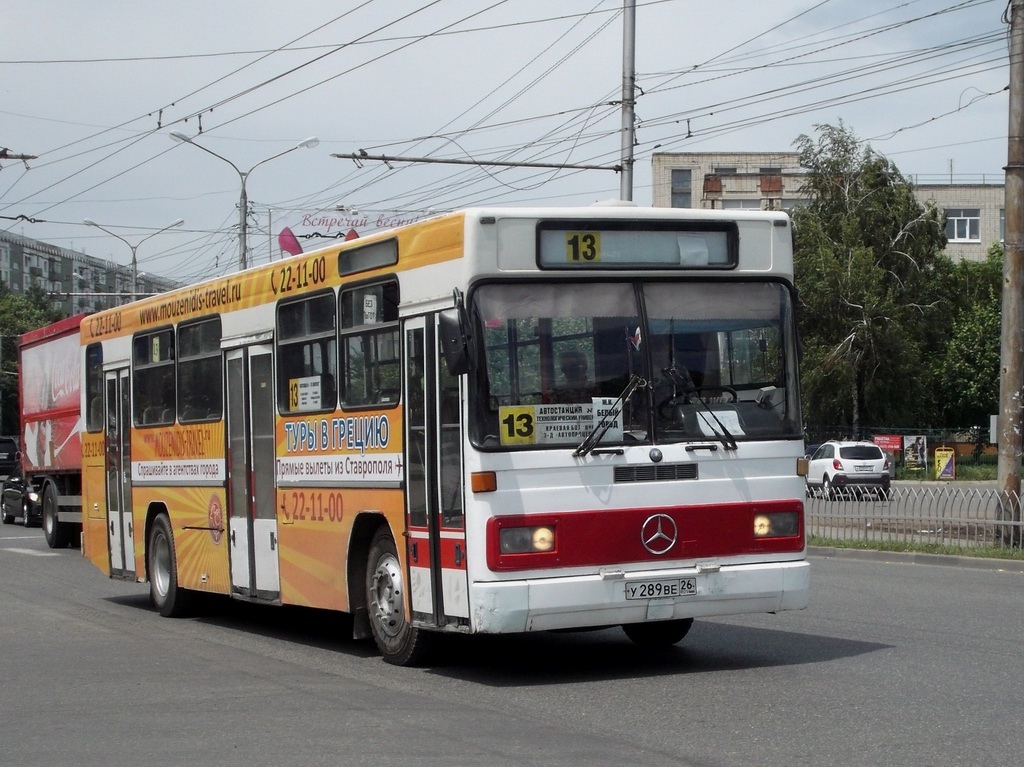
778,524
526,540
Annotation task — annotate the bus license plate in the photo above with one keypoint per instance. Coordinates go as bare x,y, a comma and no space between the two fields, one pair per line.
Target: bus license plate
673,587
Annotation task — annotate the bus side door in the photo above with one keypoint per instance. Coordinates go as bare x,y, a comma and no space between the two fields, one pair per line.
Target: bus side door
252,523
118,463
435,518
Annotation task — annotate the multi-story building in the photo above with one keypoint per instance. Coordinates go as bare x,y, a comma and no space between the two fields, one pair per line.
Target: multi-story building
975,216
75,281
774,181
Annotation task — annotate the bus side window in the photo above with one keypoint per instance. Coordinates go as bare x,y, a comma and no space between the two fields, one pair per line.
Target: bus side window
94,387
95,412
153,377
369,345
200,367
307,354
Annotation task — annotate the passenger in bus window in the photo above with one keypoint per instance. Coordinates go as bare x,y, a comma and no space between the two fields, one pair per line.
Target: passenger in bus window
575,387
328,393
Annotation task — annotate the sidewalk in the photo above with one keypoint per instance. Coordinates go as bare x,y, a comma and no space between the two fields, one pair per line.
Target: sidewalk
916,558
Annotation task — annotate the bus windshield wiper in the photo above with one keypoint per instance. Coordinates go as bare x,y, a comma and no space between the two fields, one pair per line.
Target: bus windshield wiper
682,379
594,438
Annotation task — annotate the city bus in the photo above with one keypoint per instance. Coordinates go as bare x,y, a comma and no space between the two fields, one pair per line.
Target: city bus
492,421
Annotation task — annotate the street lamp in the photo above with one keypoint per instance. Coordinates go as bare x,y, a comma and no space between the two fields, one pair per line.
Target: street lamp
134,248
243,175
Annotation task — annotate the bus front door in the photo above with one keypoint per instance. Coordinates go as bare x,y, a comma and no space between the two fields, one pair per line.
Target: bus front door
118,460
252,524
435,519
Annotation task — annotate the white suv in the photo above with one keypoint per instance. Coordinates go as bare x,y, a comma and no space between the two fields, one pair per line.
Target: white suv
843,468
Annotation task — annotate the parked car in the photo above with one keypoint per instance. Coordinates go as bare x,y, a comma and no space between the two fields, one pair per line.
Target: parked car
838,469
9,457
20,499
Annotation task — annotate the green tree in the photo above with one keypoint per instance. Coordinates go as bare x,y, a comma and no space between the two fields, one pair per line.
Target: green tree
19,313
867,255
966,374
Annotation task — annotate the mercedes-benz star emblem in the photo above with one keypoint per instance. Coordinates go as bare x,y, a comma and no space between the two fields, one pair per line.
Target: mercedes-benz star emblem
658,534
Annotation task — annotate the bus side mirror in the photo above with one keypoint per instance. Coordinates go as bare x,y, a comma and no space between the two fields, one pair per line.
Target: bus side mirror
454,344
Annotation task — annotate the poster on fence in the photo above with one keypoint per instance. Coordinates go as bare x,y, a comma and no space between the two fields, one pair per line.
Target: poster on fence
945,463
890,443
915,452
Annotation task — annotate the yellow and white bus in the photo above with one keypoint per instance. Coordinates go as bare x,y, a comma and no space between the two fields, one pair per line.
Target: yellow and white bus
492,421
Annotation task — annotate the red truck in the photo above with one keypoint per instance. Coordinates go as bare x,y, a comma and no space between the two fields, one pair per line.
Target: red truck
49,383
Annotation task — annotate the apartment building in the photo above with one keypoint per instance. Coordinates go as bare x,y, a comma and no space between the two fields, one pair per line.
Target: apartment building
75,281
774,181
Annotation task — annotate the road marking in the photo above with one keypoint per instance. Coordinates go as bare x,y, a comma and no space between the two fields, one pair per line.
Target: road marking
32,552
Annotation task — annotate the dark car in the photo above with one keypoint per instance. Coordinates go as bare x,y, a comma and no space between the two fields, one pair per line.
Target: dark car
20,499
9,457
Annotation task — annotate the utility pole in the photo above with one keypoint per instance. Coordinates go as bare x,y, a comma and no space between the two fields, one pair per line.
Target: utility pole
1011,379
628,98
243,176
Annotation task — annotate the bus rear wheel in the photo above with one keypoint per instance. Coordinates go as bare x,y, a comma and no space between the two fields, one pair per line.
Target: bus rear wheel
660,634
167,596
399,642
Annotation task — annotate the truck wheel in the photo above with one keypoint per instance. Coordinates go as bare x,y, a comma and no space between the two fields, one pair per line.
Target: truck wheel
399,642
55,531
660,634
167,596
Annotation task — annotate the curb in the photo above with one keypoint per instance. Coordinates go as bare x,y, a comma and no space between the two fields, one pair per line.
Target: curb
911,557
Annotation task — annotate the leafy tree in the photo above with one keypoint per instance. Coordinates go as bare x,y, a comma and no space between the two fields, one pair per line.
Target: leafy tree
867,255
19,313
966,374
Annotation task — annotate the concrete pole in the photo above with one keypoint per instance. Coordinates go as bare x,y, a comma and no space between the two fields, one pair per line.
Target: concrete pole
1011,379
243,224
135,271
628,98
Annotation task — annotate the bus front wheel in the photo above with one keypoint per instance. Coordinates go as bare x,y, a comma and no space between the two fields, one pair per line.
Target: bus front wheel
659,634
398,641
167,596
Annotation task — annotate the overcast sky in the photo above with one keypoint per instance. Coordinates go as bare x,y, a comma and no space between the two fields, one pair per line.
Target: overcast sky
94,89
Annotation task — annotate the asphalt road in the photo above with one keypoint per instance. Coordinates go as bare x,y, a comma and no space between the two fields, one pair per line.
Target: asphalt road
895,663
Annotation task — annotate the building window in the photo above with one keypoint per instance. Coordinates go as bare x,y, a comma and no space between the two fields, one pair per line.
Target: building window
724,171
748,204
963,224
682,188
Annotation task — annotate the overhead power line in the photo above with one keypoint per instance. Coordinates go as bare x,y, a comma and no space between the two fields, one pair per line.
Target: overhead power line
384,158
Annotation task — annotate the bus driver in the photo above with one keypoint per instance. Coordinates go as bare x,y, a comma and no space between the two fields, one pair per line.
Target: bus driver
575,387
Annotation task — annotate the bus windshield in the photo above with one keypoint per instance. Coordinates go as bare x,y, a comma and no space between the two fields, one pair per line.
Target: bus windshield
710,357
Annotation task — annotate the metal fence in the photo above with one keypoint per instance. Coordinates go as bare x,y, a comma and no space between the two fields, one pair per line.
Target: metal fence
959,515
